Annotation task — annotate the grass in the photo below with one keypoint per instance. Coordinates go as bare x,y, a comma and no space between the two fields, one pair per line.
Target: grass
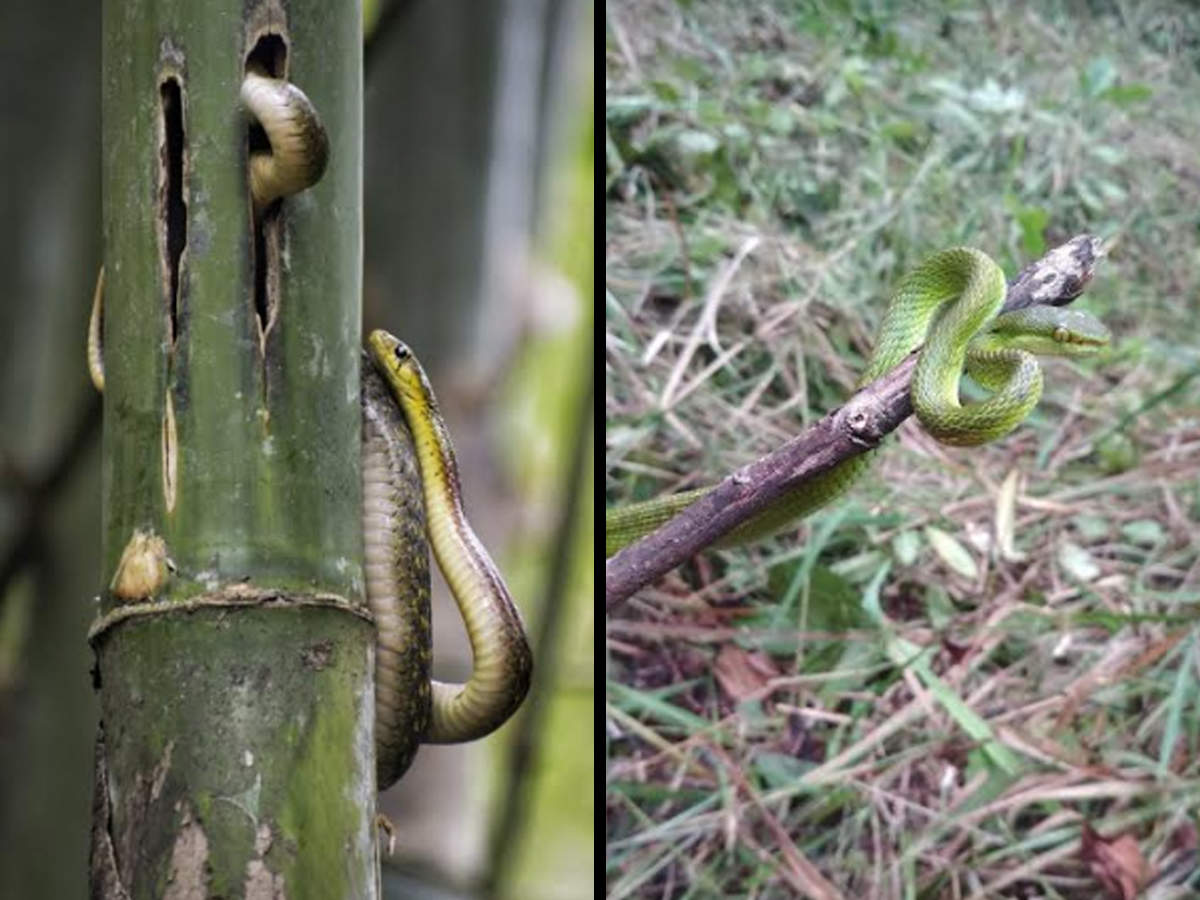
975,676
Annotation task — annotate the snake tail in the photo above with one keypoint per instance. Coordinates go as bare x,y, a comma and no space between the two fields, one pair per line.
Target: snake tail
95,338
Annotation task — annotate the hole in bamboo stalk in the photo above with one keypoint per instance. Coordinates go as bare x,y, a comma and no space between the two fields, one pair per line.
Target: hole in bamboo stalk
171,204
266,270
269,54
269,57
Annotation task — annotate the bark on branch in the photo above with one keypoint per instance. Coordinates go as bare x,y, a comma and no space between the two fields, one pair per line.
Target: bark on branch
867,417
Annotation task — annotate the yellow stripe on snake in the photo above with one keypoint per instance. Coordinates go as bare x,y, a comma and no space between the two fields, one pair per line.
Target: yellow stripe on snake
410,490
950,303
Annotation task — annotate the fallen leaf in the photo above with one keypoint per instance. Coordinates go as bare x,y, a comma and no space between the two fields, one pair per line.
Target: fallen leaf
1006,506
1146,532
1183,837
1116,863
743,675
905,546
953,554
1078,562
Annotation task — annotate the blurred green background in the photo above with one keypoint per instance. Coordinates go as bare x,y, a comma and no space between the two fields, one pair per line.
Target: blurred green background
478,251
772,169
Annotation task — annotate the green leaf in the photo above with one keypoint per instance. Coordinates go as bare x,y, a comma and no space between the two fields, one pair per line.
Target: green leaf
693,143
1088,196
1112,191
1107,154
905,547
1127,94
691,70
780,120
1091,527
625,110
1146,532
904,653
1033,221
905,133
938,606
833,603
899,129
752,713
953,554
1117,453
1098,77
994,99
1077,562
1181,693
860,567
665,90
648,704
779,769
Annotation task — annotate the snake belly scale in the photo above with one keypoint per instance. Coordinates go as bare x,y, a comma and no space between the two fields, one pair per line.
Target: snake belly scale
951,305
411,500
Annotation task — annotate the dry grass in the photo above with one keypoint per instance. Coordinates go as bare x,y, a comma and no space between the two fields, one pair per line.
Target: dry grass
932,688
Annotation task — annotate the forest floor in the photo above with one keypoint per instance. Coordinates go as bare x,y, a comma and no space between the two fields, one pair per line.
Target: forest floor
976,675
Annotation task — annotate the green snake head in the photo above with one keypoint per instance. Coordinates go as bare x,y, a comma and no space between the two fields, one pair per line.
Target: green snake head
1046,331
1002,359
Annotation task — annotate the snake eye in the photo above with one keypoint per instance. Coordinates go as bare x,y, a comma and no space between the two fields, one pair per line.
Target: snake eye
402,352
1060,335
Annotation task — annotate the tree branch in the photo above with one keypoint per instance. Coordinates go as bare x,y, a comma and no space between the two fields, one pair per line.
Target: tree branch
860,425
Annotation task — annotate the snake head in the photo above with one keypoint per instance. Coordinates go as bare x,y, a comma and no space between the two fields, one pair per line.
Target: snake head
399,367
1050,331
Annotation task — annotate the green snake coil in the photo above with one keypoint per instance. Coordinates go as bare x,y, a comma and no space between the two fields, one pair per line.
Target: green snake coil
950,303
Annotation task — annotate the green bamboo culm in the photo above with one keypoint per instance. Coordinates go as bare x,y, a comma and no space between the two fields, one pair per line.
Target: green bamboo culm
232,434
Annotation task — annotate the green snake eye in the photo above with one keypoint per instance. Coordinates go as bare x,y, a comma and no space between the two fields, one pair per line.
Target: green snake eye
402,352
1061,335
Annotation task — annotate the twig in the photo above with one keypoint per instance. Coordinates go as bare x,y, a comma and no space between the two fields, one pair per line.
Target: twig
1057,278
708,319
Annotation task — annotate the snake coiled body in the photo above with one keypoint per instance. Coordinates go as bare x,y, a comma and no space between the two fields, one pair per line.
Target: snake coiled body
396,570
949,303
411,492
502,661
299,146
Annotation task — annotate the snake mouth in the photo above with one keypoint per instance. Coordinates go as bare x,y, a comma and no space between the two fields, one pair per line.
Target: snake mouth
1076,344
1083,332
382,346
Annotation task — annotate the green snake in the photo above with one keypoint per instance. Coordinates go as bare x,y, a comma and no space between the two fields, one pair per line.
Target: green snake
412,499
951,304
